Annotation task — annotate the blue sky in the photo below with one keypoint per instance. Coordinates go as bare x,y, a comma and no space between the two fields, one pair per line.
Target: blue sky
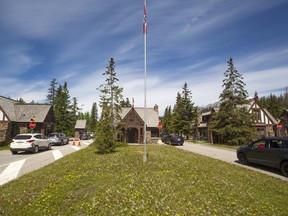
187,41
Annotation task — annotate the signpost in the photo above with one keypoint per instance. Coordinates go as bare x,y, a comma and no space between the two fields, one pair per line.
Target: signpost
32,124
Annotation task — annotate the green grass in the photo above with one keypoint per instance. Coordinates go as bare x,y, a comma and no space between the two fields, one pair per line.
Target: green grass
172,182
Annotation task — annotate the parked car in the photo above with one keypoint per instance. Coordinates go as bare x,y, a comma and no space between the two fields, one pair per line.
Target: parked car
163,136
29,143
271,151
58,138
174,140
87,136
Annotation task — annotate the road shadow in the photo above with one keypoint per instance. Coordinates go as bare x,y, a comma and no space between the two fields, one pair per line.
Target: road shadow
262,167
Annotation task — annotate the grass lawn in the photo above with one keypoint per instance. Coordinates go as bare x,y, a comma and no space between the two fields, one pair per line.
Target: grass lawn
172,182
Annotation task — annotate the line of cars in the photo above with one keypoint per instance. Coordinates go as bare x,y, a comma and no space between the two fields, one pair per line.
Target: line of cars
34,142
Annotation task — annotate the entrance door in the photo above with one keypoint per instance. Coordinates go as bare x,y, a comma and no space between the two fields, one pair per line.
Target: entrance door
133,135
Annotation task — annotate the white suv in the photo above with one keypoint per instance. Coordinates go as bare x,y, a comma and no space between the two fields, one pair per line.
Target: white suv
29,143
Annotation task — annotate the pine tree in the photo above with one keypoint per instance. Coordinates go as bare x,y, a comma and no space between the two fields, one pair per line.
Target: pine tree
189,111
105,140
106,131
233,123
111,93
184,113
125,103
52,91
63,113
166,120
94,117
177,123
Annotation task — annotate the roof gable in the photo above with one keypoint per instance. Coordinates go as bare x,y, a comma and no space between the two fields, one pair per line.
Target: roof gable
152,117
18,112
132,118
80,124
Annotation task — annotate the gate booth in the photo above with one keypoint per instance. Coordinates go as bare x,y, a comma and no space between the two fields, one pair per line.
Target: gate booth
132,125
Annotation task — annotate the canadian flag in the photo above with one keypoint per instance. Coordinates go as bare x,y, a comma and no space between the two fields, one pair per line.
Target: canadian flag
144,20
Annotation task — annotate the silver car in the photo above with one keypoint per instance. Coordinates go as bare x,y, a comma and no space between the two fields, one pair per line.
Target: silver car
29,143
58,138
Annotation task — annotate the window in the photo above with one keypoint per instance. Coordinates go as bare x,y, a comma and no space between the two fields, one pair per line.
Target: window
259,144
275,144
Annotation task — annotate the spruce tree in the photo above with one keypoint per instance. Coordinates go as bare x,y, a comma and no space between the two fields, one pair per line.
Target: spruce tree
63,111
166,120
177,123
106,131
184,113
52,91
233,123
189,111
94,117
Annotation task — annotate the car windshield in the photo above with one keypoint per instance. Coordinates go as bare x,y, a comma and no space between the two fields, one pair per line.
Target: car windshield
54,135
23,137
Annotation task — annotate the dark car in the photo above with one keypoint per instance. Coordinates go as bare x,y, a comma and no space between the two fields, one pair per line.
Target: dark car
163,136
271,151
58,138
173,140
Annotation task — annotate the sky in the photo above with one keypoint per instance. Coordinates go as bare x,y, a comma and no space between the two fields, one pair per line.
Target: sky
187,41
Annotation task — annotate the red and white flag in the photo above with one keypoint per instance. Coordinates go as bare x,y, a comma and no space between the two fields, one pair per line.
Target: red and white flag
144,20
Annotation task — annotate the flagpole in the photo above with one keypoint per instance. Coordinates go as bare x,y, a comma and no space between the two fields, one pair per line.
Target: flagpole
145,32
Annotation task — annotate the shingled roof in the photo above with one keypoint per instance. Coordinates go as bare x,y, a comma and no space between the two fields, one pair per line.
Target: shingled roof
18,112
152,117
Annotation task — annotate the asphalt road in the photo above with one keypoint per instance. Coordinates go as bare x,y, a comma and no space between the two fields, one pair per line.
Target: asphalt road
14,166
229,155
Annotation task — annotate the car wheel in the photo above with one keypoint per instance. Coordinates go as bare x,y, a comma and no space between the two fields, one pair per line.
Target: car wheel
284,168
62,143
36,149
49,146
242,159
14,152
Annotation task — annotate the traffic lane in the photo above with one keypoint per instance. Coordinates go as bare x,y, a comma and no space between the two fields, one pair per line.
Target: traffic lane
31,162
229,156
6,156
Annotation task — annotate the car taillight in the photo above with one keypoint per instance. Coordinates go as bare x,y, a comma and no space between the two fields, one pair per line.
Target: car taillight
30,141
12,140
174,139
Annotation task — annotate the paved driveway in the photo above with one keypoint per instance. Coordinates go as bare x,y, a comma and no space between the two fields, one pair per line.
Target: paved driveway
228,155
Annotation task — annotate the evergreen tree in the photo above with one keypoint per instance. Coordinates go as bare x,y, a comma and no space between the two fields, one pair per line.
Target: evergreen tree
106,131
52,91
21,101
63,111
184,113
166,120
177,123
189,111
111,93
233,122
125,103
105,140
94,117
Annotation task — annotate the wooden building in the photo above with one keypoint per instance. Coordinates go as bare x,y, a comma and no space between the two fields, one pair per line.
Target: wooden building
265,123
15,118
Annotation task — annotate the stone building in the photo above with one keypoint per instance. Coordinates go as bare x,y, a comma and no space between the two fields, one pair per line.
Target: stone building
132,124
15,118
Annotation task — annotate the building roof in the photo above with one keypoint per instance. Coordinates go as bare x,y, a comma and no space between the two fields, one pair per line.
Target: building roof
80,124
152,116
18,112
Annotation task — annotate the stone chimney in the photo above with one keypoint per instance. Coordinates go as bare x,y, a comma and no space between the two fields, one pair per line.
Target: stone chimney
156,108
